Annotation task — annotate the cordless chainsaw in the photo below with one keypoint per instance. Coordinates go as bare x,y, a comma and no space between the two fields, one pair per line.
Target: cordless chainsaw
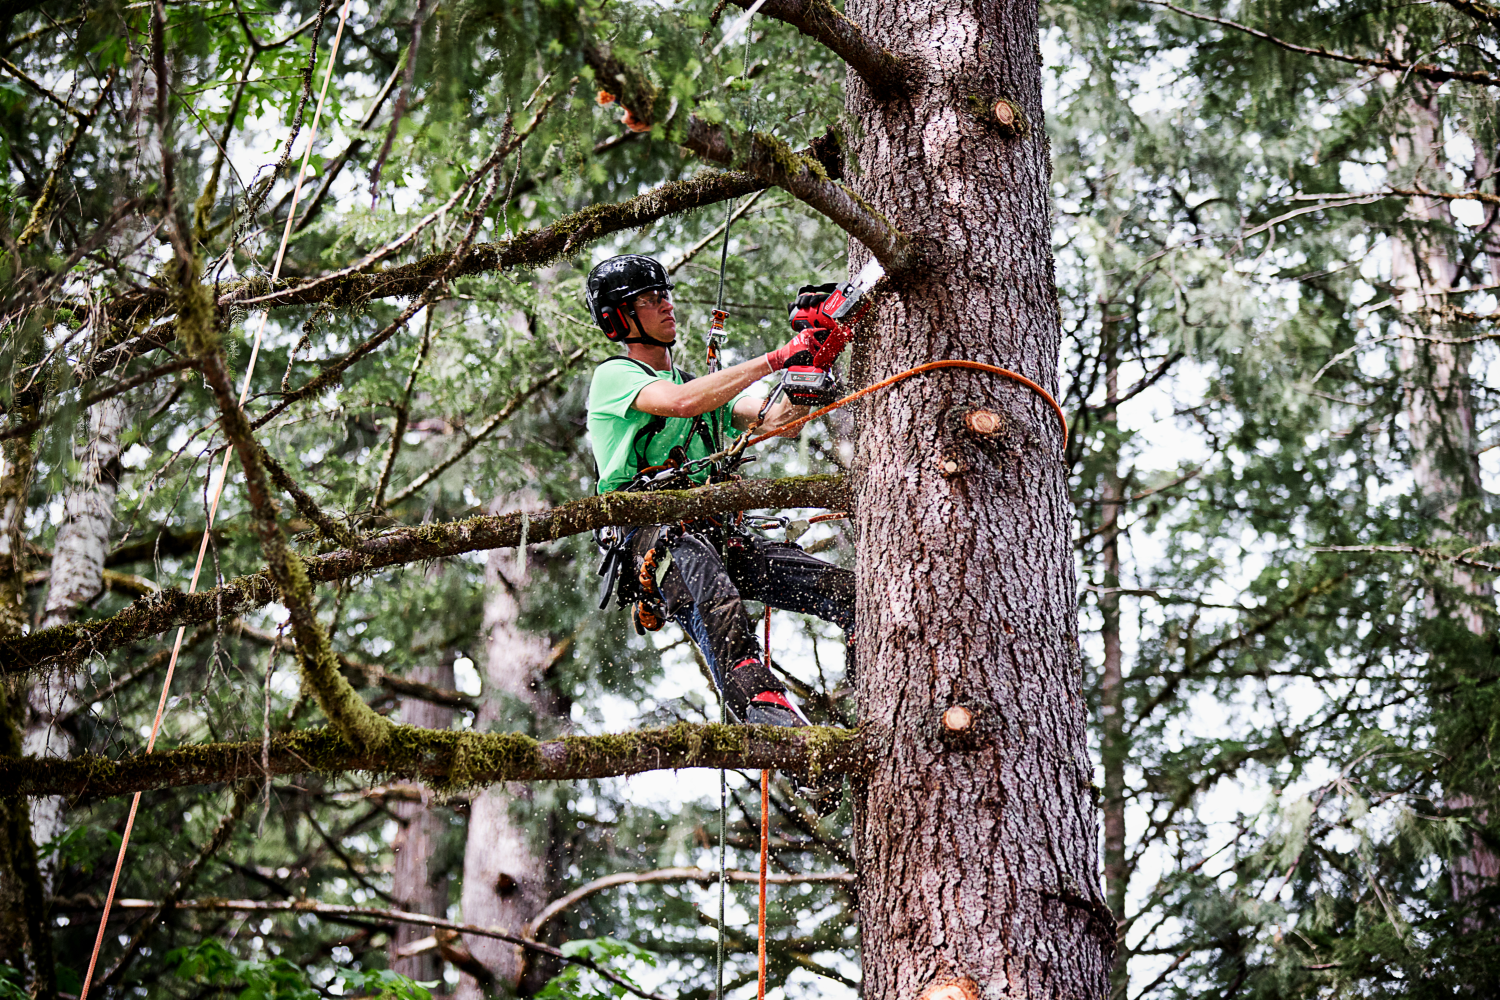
815,384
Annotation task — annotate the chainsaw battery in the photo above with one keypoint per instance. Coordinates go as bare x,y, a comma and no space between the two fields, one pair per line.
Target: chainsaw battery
809,386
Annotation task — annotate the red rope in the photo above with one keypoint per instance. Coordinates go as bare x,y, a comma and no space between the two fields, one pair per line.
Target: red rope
765,839
929,366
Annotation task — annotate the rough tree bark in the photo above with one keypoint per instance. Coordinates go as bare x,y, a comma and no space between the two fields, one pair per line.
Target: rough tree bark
77,577
506,877
1440,416
978,843
415,885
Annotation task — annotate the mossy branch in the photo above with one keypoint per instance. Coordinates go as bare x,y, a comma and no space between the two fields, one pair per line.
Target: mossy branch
360,724
155,613
445,759
534,248
886,75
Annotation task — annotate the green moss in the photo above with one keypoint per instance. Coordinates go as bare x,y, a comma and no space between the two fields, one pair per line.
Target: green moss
197,320
787,160
361,725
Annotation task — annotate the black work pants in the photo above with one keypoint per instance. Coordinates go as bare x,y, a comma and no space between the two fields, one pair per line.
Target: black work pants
704,591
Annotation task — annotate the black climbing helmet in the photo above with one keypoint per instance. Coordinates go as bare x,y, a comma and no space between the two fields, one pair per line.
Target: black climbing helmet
612,284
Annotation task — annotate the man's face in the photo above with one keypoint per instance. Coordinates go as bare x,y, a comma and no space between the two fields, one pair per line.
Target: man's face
653,310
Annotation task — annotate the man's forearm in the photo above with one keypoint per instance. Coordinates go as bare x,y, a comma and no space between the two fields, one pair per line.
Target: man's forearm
703,394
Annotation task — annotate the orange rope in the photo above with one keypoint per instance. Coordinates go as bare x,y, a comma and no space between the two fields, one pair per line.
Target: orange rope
216,490
929,366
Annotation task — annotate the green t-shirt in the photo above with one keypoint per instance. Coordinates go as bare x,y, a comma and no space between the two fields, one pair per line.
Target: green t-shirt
615,427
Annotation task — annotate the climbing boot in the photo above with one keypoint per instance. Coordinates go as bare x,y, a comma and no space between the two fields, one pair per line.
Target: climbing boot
757,698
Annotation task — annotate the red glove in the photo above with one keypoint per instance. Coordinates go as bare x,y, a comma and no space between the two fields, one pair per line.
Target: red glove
799,350
808,309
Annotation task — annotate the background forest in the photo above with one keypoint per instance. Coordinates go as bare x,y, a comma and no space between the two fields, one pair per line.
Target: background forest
1274,227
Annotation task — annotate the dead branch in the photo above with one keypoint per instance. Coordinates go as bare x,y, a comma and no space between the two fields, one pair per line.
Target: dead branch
67,644
505,413
1427,71
335,911
702,876
447,759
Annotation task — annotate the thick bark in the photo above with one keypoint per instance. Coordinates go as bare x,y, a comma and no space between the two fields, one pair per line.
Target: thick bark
416,885
77,577
151,615
507,880
978,856
445,759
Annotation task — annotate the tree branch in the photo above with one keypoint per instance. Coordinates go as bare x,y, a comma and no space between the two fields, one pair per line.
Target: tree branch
760,154
446,759
700,875
336,911
321,675
1425,70
484,431
886,75
68,644
531,249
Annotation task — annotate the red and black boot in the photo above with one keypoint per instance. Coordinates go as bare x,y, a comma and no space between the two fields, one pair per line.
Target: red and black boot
757,698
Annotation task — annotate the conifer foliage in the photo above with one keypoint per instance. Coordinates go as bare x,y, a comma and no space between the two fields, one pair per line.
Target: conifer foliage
1272,230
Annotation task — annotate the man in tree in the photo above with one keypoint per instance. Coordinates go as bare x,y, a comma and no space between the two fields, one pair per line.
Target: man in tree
644,412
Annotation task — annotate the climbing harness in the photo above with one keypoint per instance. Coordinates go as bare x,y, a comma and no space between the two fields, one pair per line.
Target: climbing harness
216,490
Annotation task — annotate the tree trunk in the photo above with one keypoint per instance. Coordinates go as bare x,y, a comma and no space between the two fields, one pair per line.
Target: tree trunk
77,578
506,877
1114,745
978,848
25,941
1440,421
415,884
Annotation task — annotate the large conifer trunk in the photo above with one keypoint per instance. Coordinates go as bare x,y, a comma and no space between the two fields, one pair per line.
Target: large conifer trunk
978,850
506,876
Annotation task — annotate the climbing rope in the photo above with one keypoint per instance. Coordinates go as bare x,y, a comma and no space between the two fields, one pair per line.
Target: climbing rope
765,839
216,490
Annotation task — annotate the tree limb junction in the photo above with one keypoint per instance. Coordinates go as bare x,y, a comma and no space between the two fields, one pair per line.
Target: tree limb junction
68,644
886,75
760,154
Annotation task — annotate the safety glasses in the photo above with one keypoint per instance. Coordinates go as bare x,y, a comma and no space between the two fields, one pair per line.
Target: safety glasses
653,299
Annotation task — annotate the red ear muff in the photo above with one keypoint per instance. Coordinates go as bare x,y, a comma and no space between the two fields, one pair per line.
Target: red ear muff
615,326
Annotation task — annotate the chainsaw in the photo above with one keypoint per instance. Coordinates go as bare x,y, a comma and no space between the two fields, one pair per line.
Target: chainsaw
815,383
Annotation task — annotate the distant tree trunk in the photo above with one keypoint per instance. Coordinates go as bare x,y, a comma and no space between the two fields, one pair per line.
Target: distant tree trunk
1440,419
1114,744
978,848
415,884
25,941
506,877
77,577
